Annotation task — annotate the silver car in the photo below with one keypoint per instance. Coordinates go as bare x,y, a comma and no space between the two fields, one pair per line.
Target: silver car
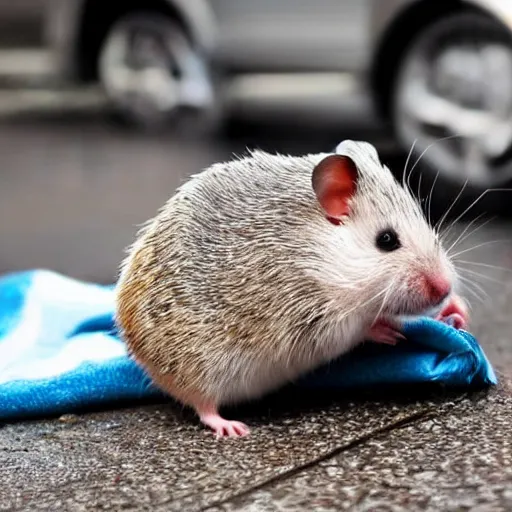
433,69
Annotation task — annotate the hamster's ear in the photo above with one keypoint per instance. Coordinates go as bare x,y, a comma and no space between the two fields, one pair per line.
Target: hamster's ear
334,181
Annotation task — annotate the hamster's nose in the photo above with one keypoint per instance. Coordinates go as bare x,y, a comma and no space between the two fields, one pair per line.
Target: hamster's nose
437,288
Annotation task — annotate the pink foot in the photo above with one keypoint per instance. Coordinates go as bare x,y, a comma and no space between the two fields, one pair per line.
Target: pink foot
222,427
455,313
383,331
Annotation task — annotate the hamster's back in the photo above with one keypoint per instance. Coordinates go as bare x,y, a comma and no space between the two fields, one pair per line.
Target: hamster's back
218,265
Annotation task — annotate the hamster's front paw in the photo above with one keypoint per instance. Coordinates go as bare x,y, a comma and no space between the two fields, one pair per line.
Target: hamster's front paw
383,331
455,313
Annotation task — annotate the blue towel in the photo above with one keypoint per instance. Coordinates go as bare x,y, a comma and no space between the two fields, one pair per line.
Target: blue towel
59,352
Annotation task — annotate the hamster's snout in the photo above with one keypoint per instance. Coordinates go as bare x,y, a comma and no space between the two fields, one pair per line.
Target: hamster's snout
437,288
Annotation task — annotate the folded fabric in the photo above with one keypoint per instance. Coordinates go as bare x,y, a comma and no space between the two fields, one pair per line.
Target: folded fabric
60,352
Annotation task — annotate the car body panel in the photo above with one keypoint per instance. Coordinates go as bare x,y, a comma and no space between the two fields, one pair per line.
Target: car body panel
22,23
500,9
238,36
244,36
288,35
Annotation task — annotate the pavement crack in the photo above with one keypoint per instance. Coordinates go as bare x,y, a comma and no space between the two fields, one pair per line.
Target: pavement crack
402,423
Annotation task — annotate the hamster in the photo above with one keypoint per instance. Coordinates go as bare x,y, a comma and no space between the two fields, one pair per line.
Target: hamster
261,269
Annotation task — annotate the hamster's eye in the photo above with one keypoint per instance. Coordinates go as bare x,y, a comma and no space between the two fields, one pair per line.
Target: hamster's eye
388,240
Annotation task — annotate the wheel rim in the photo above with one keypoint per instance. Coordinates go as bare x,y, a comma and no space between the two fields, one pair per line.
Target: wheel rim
148,68
457,86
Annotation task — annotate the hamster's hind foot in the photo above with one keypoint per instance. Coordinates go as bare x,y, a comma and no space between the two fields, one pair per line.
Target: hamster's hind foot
205,408
210,417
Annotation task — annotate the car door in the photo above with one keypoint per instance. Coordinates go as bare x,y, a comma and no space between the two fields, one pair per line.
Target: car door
22,23
285,35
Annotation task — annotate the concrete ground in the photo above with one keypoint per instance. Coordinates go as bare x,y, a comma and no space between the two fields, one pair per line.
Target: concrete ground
72,193
451,452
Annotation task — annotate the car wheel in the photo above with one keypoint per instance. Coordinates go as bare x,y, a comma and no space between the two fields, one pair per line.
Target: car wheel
149,69
453,102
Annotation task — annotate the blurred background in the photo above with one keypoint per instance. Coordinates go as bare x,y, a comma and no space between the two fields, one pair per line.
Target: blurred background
106,107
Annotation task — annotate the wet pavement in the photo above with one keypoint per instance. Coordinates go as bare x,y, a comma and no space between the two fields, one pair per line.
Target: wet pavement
72,194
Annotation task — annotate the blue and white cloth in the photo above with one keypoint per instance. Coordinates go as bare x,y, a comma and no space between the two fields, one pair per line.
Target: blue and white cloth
60,352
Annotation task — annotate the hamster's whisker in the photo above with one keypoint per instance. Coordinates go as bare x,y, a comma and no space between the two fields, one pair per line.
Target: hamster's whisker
371,299
404,175
476,229
480,289
470,280
474,295
472,232
464,282
467,282
419,188
425,150
483,244
439,224
479,198
486,265
429,199
389,288
461,236
452,224
478,274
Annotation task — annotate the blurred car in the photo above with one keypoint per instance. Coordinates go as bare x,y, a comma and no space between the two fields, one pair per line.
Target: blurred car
433,69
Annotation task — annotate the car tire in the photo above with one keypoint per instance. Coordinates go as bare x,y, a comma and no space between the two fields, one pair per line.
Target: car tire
150,70
452,101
